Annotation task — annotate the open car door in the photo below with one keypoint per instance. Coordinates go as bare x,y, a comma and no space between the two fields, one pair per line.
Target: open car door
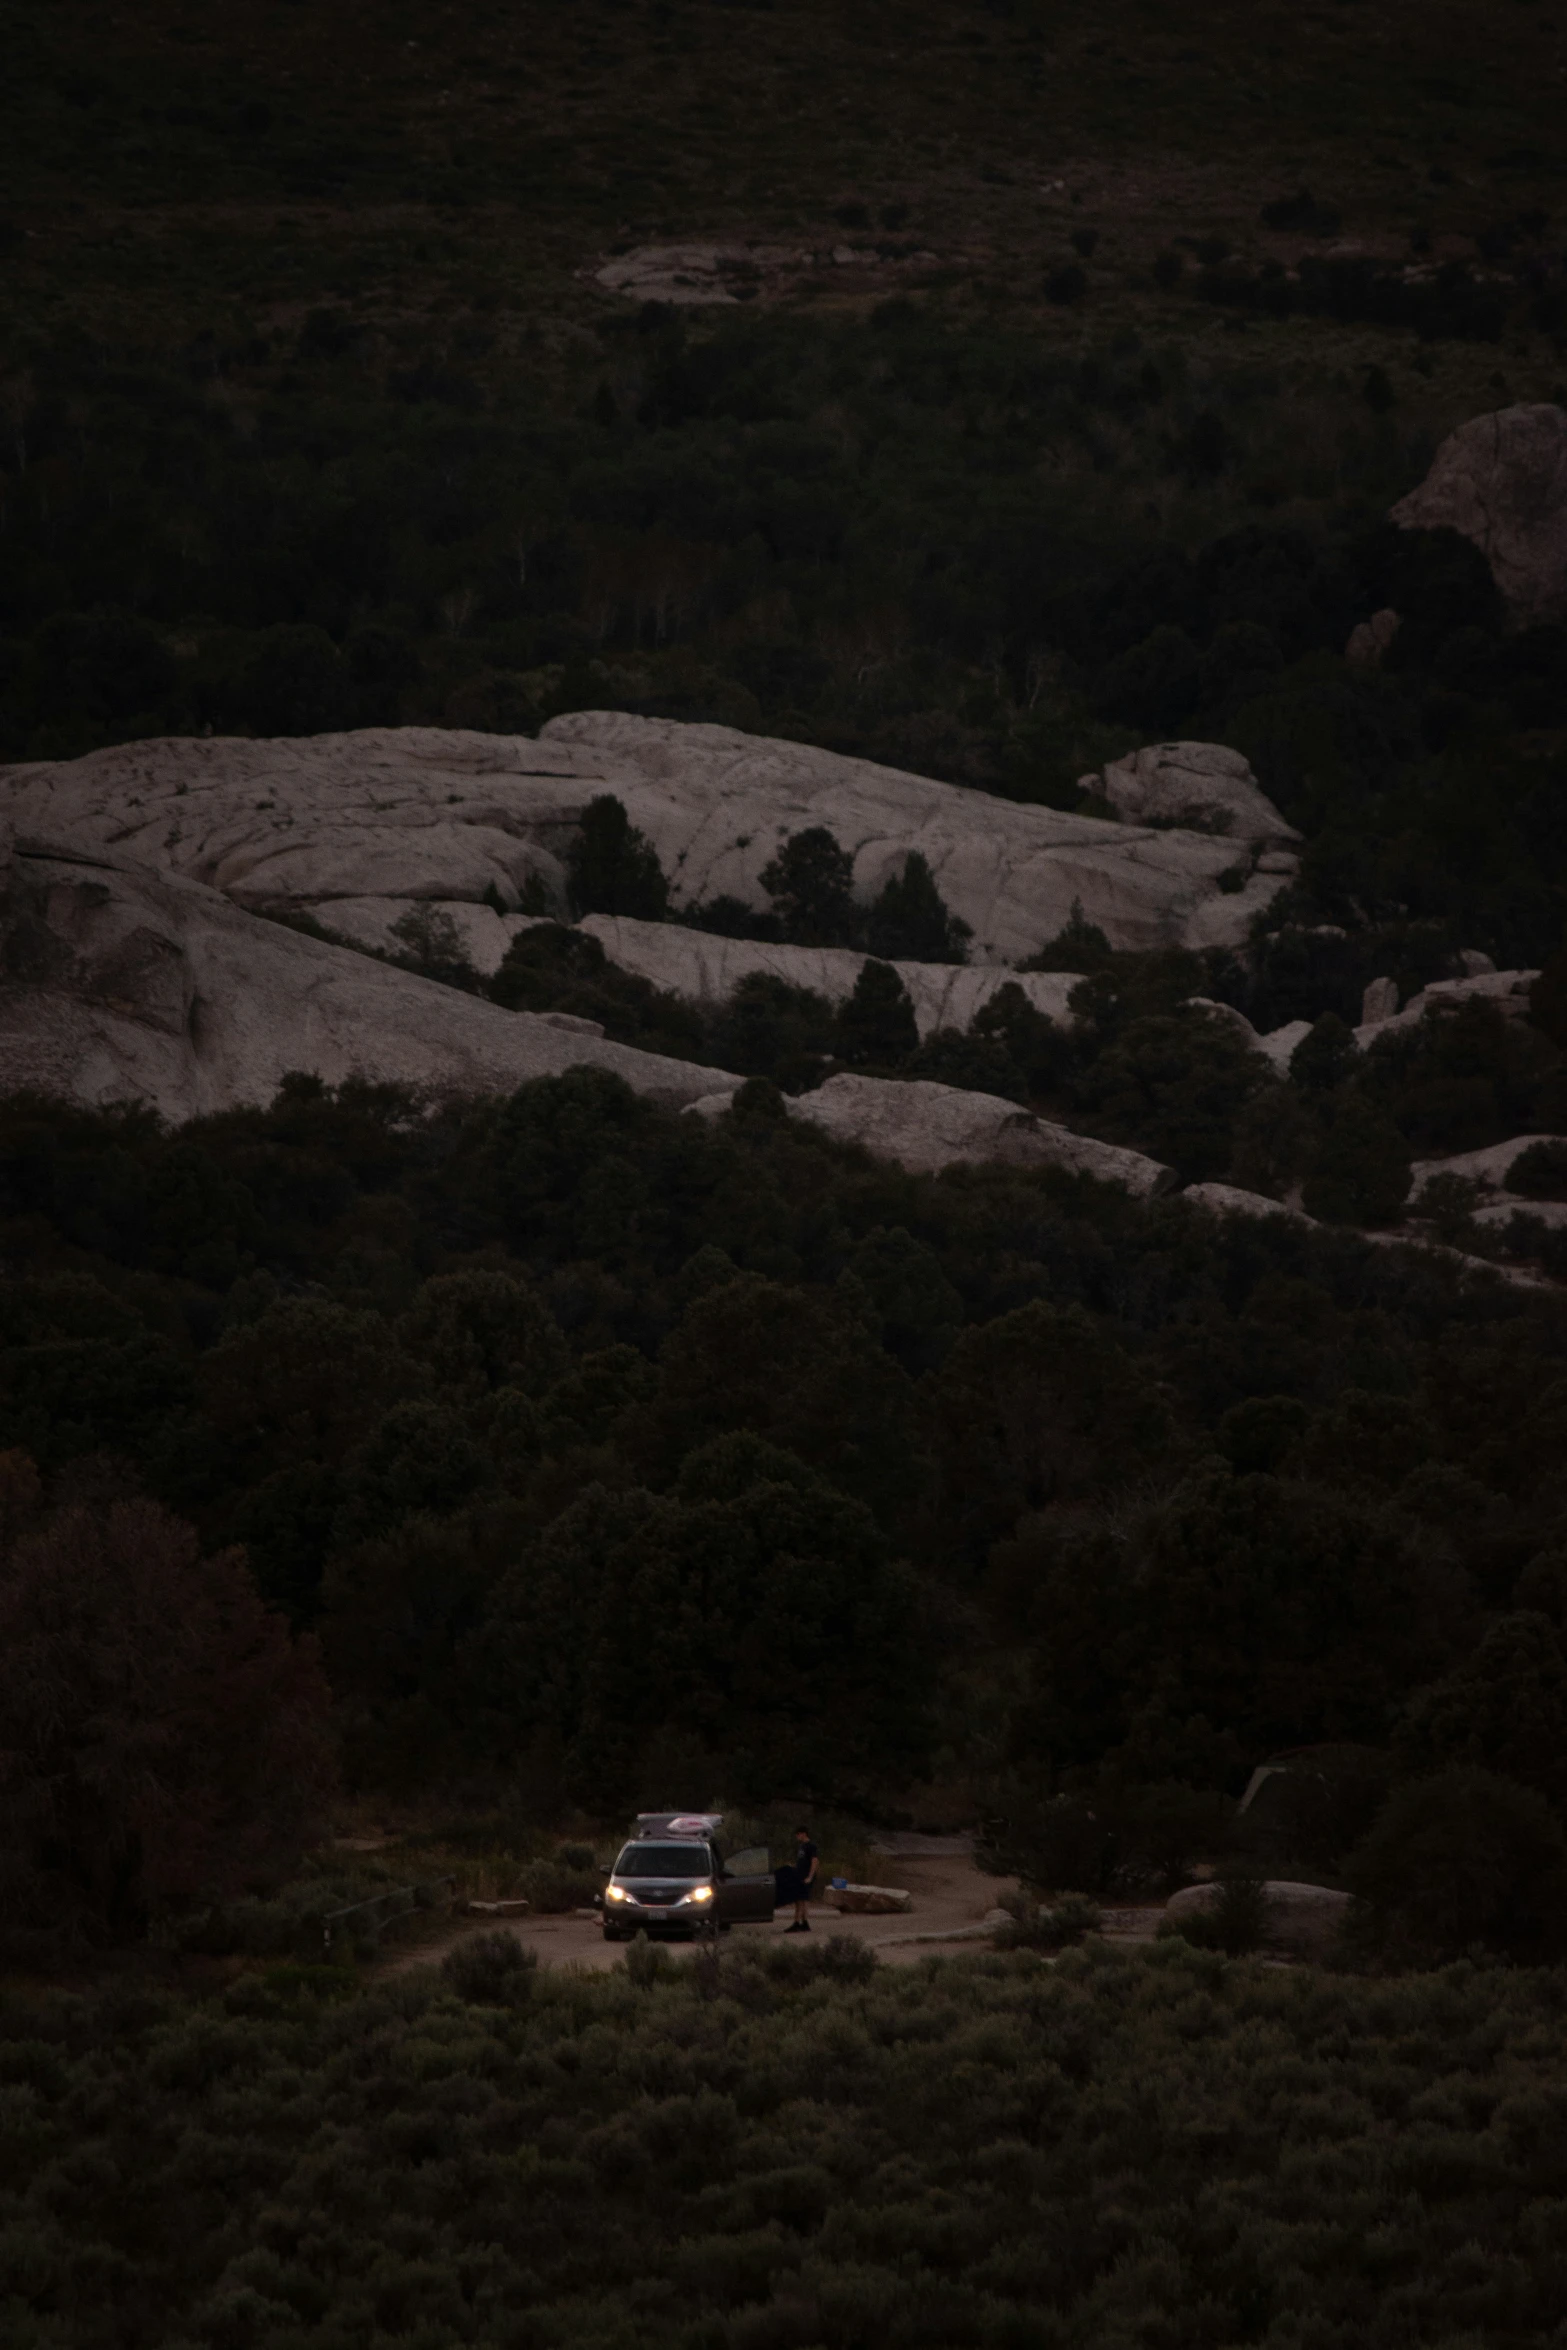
746,1888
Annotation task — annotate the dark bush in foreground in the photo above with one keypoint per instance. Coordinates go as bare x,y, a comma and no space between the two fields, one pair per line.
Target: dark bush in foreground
990,2153
492,1970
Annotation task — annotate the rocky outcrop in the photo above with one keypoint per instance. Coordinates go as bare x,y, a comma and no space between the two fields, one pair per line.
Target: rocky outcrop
480,935
1498,1214
1302,1918
1202,787
1508,990
1227,1199
1276,1046
1371,640
117,983
707,970
1501,482
1489,1167
925,1127
433,815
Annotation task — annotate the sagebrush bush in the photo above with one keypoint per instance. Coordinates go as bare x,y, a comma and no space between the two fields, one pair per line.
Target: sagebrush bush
493,1970
1051,1925
784,2149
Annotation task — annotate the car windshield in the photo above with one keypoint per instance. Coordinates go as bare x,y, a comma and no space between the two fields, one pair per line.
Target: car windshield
664,1860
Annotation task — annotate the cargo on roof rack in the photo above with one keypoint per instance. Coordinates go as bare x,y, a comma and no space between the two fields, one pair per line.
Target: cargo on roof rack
679,1823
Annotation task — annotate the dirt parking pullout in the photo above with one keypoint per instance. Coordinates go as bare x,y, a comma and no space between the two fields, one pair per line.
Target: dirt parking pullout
952,1900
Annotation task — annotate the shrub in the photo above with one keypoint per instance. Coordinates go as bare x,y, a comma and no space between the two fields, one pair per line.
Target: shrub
876,1026
1048,1926
1360,1173
1235,1921
1540,1172
810,882
1302,214
1461,1859
910,921
490,1970
614,869
1502,1708
429,943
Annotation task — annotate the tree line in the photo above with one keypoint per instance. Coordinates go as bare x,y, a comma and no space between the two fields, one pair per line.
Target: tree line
603,1452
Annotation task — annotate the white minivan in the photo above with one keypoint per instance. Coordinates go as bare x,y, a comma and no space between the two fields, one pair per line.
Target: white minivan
673,1876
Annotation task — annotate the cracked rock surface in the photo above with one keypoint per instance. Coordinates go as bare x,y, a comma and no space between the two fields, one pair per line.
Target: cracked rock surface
119,983
706,970
427,813
925,1127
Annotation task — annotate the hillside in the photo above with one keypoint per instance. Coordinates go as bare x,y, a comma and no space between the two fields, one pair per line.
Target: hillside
783,1024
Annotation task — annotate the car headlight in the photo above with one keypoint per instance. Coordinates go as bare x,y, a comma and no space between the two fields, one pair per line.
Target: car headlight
618,1893
697,1893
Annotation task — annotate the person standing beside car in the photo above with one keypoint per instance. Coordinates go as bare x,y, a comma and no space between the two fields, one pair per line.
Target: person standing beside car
807,1866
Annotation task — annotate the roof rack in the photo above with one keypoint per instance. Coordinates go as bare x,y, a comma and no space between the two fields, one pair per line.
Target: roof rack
679,1823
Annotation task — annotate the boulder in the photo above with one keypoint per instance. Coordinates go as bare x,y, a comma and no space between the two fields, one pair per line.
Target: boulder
1227,1199
1371,640
706,970
1379,1001
1228,1015
1278,1044
433,814
1501,482
1203,787
925,1127
868,1900
125,984
1301,1918
1508,990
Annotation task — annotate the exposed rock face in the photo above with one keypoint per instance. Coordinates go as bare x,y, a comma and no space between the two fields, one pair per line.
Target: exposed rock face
1227,1199
1275,1047
1204,787
1304,1918
482,935
424,813
1380,1000
121,984
1508,990
1489,1166
1501,481
707,970
926,1127
1552,1213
